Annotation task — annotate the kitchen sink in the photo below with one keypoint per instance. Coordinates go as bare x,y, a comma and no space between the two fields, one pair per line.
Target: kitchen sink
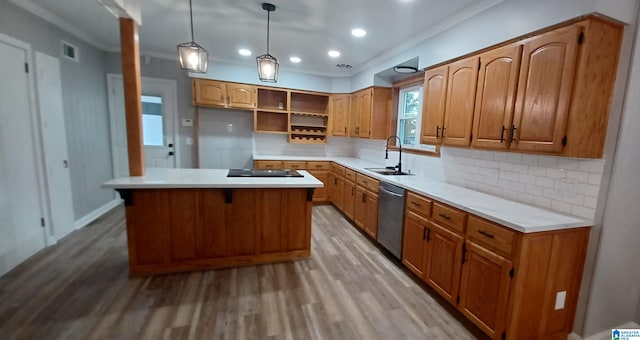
388,171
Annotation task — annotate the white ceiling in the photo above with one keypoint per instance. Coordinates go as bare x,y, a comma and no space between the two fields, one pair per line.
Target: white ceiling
304,28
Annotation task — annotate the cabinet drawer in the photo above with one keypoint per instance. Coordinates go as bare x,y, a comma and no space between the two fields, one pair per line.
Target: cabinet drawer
491,235
318,165
419,204
268,164
350,175
367,182
295,165
337,169
449,216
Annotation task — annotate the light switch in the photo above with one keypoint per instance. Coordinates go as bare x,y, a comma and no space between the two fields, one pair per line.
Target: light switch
229,127
188,141
560,299
187,122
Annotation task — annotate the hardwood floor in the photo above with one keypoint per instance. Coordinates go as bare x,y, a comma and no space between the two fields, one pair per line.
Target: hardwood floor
79,289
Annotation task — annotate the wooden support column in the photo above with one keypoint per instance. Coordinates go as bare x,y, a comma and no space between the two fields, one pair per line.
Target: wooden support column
132,94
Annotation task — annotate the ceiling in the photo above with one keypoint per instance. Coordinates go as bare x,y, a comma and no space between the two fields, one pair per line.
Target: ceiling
304,28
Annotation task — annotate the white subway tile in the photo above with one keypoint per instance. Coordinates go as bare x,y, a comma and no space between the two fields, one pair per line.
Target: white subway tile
595,179
503,183
517,186
582,177
590,202
534,190
537,171
520,168
550,193
512,176
588,189
505,166
542,202
530,159
583,212
547,162
476,154
496,191
568,163
511,195
528,179
573,199
545,182
561,206
493,165
500,156
480,162
556,173
591,166
514,157
487,155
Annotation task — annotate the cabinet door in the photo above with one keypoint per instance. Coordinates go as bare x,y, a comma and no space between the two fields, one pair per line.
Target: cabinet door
414,243
241,96
349,203
485,288
209,92
320,194
461,94
337,192
495,96
371,217
267,165
354,115
444,258
544,90
365,114
360,213
340,115
433,104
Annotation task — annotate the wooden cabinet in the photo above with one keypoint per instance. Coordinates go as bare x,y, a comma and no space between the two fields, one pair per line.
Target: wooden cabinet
340,114
458,114
433,104
320,194
495,97
309,117
349,198
370,112
336,185
223,94
366,204
294,165
544,90
272,112
414,245
267,164
443,260
485,288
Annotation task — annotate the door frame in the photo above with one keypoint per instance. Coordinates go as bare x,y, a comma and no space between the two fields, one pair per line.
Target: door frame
34,117
171,83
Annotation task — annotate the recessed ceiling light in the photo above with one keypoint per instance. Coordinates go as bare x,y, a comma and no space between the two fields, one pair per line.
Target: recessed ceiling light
244,51
334,54
358,32
295,59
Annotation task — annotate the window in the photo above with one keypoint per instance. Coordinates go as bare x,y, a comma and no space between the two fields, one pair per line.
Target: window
152,127
409,115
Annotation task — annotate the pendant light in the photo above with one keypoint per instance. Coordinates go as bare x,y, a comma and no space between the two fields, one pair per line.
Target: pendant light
268,64
193,57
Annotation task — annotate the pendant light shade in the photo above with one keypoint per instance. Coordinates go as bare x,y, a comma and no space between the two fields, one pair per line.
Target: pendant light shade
268,64
193,57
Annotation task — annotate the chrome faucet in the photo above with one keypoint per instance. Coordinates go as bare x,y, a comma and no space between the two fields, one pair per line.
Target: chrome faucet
386,154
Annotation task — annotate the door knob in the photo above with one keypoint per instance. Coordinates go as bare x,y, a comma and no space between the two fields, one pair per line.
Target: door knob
65,163
170,145
170,153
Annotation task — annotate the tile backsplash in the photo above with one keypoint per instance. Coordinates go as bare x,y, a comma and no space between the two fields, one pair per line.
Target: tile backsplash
567,185
276,144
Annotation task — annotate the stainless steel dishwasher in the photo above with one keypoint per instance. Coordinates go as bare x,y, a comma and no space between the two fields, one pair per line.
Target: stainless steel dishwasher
391,217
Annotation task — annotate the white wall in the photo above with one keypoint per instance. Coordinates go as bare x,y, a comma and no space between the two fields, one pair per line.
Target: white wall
225,138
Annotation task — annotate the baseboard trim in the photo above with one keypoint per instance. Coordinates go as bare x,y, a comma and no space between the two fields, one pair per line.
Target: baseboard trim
92,216
604,335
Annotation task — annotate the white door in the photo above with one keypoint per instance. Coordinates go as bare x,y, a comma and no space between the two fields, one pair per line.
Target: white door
54,145
159,119
21,233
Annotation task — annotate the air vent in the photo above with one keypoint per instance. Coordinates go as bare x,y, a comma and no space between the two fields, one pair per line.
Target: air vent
344,66
70,51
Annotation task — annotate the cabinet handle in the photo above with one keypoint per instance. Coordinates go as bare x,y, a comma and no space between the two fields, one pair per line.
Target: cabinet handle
437,132
446,217
443,128
335,181
416,204
482,232
513,133
269,166
428,234
364,198
424,234
318,166
502,134
345,129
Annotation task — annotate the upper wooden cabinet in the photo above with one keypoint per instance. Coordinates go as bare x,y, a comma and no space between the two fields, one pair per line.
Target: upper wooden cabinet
218,93
369,114
433,104
546,93
340,114
495,96
458,114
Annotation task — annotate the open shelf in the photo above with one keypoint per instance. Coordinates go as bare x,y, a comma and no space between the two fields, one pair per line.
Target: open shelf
315,114
268,121
306,139
309,103
273,100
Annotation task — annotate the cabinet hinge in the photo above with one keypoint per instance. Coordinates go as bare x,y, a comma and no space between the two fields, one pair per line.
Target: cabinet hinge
42,221
512,273
580,38
564,141
464,252
458,300
503,336
26,67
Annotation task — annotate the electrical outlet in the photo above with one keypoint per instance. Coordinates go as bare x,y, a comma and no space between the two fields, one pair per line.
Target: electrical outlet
560,299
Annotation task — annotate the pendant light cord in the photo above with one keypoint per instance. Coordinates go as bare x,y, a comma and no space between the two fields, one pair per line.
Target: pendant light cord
268,17
191,16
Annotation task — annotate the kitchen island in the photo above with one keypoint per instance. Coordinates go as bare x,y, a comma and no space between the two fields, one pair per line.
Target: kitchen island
193,219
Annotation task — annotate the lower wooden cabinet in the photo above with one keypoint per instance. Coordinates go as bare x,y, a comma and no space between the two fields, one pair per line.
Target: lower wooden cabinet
443,259
320,194
414,245
366,210
336,183
349,199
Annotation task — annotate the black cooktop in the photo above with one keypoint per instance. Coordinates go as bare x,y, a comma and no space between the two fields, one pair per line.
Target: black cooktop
262,173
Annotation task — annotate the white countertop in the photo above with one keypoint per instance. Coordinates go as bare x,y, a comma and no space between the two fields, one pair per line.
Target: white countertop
518,216
208,178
